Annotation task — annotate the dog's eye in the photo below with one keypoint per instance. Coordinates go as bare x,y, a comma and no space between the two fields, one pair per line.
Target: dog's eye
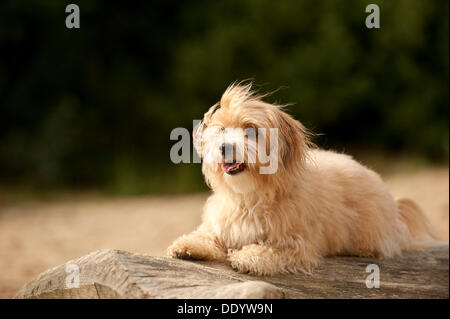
215,109
252,131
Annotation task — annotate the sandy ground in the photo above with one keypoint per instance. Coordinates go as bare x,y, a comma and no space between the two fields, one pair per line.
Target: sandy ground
37,235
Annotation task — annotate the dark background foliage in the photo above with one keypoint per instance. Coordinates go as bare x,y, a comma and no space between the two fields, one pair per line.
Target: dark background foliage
94,107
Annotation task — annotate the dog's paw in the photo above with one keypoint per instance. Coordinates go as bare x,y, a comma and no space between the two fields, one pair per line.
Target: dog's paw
195,247
181,250
247,261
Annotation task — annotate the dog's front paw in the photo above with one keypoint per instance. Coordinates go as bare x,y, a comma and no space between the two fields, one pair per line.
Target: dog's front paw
181,249
249,261
195,247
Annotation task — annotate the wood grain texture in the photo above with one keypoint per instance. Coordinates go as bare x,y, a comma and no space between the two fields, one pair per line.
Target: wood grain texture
120,274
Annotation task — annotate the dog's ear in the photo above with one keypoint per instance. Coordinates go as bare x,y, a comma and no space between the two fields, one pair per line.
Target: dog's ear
293,139
197,137
201,126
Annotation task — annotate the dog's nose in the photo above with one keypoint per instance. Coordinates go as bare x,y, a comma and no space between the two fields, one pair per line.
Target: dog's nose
226,149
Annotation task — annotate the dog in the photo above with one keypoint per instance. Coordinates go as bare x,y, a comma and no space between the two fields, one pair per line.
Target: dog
317,203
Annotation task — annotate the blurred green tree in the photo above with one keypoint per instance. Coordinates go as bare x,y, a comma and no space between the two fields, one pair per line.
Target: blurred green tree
95,106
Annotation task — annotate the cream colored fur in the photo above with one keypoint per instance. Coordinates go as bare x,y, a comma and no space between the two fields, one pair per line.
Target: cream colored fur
319,203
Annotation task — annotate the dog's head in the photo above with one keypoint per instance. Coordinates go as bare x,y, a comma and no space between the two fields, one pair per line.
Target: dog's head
246,143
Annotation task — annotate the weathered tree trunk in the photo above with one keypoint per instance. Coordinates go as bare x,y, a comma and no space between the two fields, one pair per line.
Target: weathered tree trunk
120,274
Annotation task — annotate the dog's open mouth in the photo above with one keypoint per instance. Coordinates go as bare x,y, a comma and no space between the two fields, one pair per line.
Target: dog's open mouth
233,168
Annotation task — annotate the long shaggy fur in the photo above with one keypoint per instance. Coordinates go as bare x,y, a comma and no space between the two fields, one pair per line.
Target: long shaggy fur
318,203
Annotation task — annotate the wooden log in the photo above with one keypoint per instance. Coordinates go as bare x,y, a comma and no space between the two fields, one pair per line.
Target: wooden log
120,274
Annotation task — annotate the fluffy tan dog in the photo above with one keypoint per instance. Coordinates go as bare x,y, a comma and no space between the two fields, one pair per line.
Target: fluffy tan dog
317,203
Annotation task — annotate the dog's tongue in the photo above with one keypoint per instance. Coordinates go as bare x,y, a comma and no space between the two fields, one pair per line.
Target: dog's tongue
226,167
